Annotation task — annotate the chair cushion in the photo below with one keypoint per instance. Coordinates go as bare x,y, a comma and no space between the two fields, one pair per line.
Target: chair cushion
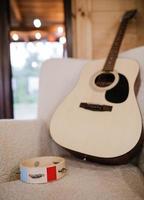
20,139
83,181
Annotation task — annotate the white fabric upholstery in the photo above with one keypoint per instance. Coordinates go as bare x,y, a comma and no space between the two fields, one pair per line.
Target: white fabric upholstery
20,140
84,181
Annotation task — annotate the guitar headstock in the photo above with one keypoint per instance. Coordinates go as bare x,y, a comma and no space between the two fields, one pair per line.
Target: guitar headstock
129,15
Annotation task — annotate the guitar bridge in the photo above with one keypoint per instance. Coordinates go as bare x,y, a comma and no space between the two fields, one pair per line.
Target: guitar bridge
96,107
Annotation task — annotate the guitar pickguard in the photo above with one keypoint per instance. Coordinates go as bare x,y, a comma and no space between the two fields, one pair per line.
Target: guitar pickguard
119,93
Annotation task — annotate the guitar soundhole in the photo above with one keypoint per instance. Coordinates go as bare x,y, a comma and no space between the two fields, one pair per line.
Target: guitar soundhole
104,79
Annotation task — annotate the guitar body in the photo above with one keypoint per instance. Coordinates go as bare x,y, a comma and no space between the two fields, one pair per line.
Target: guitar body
102,122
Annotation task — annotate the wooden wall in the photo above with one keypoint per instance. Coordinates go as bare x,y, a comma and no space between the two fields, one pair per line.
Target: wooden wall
95,23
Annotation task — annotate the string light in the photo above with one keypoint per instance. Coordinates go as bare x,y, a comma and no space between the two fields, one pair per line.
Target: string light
38,35
15,37
37,23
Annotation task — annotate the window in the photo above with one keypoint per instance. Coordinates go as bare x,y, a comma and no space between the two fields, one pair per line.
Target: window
37,34
26,60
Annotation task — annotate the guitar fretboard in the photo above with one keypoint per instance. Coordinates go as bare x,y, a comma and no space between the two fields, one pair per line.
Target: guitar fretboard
112,56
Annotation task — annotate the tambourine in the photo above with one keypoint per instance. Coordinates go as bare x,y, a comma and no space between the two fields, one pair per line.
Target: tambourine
42,169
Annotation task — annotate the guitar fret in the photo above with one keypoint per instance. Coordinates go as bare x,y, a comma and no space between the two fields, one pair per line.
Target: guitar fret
111,59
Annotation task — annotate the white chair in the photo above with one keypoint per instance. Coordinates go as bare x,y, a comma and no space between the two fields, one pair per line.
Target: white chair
22,139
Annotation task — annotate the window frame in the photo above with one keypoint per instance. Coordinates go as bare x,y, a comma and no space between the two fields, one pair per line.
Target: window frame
6,99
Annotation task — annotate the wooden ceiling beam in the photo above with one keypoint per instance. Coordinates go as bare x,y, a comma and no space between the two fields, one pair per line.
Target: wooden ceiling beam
16,11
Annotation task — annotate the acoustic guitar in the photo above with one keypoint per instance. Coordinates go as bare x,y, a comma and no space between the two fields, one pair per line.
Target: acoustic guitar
100,119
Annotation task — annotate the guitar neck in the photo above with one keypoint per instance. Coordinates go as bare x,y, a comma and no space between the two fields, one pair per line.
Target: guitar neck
112,56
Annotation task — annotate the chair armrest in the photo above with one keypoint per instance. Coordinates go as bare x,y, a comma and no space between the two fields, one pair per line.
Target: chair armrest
20,139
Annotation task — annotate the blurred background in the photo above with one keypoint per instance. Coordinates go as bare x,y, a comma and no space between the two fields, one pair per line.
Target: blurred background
37,33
